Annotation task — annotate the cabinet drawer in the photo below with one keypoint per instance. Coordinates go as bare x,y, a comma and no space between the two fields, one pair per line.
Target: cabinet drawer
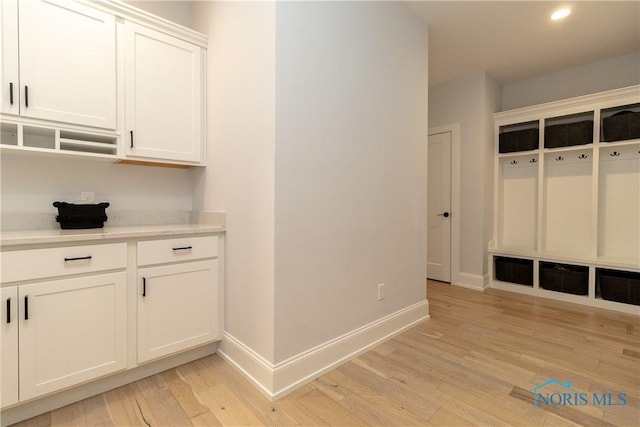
38,263
179,249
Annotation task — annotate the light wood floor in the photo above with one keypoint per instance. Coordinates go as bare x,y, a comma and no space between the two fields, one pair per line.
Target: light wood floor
473,363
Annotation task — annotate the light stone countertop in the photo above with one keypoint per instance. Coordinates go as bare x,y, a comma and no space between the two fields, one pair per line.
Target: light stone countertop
30,237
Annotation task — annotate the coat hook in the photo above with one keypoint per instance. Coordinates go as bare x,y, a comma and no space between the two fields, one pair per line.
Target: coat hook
514,162
559,159
582,156
614,154
534,160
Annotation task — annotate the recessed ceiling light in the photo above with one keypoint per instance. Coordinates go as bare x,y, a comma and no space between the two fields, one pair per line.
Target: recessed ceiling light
560,14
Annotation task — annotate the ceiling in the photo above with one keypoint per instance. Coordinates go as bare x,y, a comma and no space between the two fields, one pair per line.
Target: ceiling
516,40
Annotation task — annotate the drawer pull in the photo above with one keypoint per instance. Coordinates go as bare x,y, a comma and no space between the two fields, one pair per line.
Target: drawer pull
8,310
183,248
26,307
77,258
144,287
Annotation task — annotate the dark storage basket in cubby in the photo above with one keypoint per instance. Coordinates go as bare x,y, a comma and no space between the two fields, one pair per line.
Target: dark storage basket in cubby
514,270
567,134
570,279
619,286
621,126
518,140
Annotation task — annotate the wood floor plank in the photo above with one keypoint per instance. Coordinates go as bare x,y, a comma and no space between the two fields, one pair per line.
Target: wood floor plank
228,407
96,412
184,394
328,410
160,401
123,406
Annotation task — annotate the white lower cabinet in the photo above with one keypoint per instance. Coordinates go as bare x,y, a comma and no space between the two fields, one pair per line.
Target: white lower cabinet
68,318
177,308
9,358
60,333
71,331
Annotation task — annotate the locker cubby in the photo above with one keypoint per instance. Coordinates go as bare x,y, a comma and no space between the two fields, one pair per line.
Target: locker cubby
619,203
567,203
518,201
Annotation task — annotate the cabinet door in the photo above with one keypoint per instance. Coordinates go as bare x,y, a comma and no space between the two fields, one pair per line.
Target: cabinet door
177,308
163,79
71,331
67,63
10,93
9,331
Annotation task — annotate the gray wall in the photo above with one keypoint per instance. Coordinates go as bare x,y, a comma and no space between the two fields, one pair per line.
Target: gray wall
612,73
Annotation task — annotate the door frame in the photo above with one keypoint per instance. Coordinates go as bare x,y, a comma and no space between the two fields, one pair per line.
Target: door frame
454,129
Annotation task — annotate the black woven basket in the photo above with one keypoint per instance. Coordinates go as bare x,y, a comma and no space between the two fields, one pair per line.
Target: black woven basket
72,216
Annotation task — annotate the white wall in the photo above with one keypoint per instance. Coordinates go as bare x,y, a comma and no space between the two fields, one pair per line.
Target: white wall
350,178
317,152
613,73
30,184
180,12
239,178
470,101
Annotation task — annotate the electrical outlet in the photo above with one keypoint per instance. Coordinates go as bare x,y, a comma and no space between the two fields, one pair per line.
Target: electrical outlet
380,291
87,196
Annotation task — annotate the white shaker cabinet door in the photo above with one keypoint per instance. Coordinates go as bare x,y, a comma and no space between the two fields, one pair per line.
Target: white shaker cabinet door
163,80
67,63
71,331
177,308
9,357
10,92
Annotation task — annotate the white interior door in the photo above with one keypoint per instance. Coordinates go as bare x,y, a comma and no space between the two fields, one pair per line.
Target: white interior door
439,207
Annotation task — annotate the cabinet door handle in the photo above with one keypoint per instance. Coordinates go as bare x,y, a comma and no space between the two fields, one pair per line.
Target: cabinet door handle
26,307
144,287
77,258
8,310
131,132
183,248
11,93
26,96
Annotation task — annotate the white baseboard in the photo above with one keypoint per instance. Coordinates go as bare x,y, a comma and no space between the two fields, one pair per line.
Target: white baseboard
277,380
471,281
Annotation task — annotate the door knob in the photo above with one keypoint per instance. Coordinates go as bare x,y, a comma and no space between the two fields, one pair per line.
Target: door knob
445,214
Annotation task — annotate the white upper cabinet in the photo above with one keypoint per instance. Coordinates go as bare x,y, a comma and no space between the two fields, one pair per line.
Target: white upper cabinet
163,84
67,63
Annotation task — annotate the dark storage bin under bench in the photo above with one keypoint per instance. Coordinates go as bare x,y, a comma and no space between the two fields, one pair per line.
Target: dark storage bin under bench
514,270
619,286
570,279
